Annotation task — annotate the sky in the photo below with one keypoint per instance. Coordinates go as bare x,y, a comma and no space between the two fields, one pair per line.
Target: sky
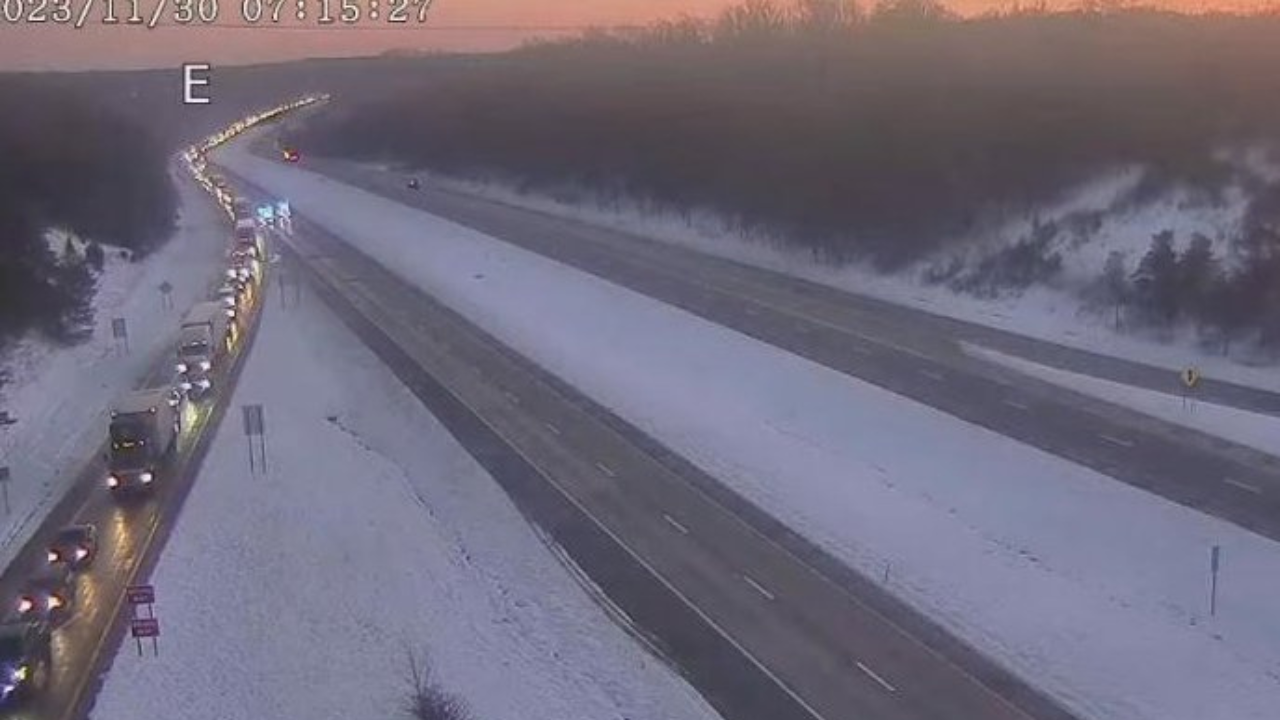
449,25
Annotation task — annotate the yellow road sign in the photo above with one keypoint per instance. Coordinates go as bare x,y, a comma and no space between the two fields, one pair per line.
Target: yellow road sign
1190,377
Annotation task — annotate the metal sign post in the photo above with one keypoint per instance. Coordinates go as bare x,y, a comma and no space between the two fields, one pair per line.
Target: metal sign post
143,627
255,426
1190,378
1214,556
4,486
120,331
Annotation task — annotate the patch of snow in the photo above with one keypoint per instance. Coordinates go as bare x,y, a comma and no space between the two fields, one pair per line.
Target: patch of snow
1088,587
299,593
60,396
1256,430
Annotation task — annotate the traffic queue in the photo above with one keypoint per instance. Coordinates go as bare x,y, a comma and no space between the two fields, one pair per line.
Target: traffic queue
145,427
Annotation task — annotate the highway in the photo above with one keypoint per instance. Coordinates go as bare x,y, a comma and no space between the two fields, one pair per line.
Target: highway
131,536
907,351
765,625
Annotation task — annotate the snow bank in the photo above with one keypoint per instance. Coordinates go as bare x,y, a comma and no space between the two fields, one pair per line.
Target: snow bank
1092,589
60,395
1256,430
298,594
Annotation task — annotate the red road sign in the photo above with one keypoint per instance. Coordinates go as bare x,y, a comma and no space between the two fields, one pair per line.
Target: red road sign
145,627
140,594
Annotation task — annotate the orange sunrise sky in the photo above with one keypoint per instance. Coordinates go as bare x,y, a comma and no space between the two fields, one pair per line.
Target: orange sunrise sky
450,25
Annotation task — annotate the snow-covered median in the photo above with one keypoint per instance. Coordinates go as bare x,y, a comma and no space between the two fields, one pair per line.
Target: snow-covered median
59,396
1088,587
300,593
1256,430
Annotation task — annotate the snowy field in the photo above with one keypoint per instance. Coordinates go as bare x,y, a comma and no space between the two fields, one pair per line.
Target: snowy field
60,395
299,594
1048,313
1092,589
1257,430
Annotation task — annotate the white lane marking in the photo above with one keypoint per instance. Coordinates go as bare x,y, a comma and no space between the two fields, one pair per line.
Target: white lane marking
605,469
751,310
1243,485
511,397
872,674
932,375
1017,404
554,430
865,352
672,522
758,587
1116,441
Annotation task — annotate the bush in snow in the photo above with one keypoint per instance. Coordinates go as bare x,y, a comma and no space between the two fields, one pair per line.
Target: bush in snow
427,700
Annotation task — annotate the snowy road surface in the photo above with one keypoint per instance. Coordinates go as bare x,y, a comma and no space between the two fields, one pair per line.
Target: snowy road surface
1093,589
1256,430
900,350
299,592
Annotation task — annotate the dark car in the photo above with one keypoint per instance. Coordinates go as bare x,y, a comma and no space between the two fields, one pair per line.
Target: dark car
49,594
26,658
75,546
413,184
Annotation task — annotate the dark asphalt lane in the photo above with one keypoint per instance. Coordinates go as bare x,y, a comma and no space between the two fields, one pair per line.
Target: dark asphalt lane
909,352
132,534
753,616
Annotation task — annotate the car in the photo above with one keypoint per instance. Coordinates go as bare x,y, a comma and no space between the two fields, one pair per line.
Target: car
75,546
413,184
26,658
49,595
229,294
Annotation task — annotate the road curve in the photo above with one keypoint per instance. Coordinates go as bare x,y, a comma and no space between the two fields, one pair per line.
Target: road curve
764,624
131,537
904,350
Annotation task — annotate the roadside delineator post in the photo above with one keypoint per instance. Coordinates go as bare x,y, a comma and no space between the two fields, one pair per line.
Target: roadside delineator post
1214,554
4,486
166,295
255,426
143,627
120,331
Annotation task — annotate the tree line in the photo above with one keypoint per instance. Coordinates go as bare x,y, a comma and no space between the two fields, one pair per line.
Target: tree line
64,164
858,134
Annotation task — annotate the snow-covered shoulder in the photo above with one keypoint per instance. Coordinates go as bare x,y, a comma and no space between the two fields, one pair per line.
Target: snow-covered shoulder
1256,430
300,591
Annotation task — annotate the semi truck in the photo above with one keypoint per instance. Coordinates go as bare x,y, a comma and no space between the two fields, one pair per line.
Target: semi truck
203,341
144,430
247,237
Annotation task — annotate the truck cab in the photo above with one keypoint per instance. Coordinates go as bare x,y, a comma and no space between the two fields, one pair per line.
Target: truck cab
248,238
203,341
143,434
